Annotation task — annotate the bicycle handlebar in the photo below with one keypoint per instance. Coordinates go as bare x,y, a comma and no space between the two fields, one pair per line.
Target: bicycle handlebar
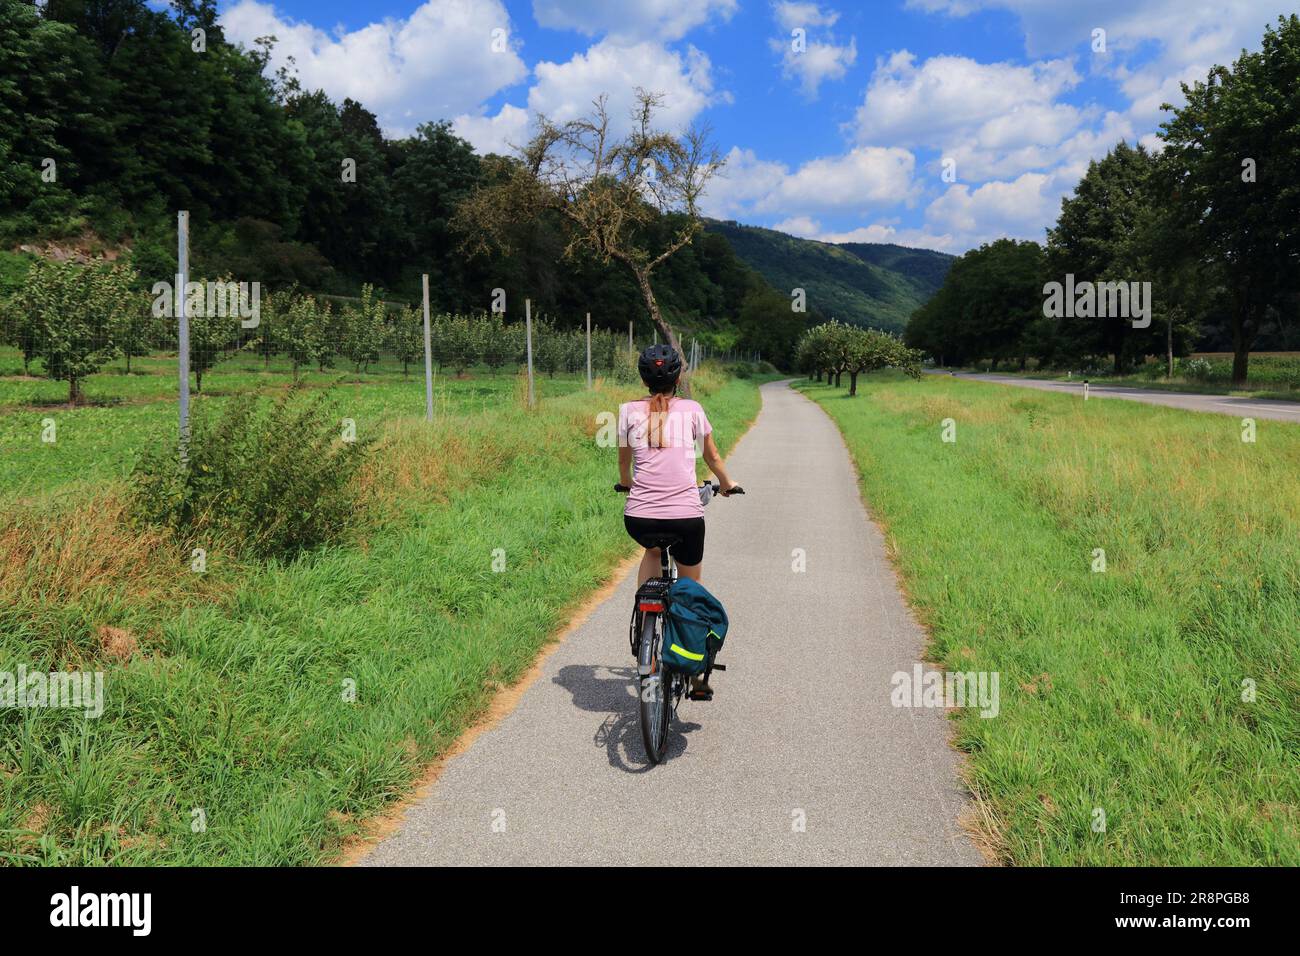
737,490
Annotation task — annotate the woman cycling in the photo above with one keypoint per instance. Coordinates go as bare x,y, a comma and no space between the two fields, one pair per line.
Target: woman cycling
659,433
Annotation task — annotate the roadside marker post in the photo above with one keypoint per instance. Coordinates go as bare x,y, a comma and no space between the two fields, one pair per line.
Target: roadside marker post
183,330
630,346
589,350
428,355
528,335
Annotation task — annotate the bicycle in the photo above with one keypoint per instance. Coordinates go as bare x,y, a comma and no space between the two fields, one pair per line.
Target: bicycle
646,632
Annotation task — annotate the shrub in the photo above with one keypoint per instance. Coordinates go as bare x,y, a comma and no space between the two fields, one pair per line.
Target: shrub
268,478
1198,369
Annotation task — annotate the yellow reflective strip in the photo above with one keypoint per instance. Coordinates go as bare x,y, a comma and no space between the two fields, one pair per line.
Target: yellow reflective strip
686,654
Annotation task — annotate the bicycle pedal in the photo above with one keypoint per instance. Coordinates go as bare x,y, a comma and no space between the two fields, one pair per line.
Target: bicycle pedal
718,667
700,696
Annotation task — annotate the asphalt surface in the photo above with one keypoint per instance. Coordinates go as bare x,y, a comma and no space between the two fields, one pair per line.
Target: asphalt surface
1220,404
800,758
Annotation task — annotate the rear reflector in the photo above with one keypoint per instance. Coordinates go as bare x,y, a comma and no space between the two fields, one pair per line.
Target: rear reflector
649,606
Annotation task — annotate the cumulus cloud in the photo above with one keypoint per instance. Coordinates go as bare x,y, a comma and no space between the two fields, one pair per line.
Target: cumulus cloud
631,20
494,134
1188,38
565,91
437,63
947,99
1018,209
807,58
865,178
792,15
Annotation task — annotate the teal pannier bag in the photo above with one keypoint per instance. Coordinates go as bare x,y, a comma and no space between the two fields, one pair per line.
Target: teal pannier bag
696,627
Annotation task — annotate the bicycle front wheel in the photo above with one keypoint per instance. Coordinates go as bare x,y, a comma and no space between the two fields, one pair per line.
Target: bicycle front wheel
655,690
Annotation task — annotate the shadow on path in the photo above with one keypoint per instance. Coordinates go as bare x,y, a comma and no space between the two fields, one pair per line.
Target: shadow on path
619,732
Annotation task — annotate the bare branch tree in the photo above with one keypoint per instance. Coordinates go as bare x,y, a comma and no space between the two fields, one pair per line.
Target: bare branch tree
608,190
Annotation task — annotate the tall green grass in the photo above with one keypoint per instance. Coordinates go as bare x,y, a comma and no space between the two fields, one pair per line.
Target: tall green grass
236,703
1122,691
101,441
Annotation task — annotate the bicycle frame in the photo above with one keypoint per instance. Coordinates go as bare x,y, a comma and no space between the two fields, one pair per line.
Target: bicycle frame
664,687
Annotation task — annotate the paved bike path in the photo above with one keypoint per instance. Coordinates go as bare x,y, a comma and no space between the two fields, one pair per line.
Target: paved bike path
1238,406
801,729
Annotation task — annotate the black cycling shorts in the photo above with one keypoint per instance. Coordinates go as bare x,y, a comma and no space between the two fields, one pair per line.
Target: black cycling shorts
688,551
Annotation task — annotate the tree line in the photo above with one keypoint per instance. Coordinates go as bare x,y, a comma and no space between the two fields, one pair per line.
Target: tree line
114,115
833,349
1205,230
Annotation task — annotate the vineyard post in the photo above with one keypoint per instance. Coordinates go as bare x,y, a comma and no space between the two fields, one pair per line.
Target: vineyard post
589,350
528,336
428,355
183,329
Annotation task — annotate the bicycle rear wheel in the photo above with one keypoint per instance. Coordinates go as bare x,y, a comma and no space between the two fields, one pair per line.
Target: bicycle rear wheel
655,689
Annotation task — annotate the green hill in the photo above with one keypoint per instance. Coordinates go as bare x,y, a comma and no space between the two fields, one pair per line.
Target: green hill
870,284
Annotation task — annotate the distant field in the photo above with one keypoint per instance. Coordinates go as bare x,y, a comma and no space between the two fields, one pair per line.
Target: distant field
127,413
1121,691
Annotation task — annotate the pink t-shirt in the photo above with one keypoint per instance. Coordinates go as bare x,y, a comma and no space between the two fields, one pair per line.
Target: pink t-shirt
663,479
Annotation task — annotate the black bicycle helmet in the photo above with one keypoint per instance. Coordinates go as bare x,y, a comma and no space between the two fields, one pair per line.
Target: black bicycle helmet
660,366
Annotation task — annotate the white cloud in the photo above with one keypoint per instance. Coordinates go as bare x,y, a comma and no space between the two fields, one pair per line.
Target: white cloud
494,134
867,177
816,62
810,61
742,182
948,99
565,91
1189,37
804,226
1019,209
435,64
793,15
1033,149
631,20
877,232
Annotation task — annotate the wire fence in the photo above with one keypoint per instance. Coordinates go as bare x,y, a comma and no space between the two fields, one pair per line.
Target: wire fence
81,335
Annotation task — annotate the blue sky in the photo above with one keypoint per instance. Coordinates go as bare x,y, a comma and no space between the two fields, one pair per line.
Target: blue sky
841,137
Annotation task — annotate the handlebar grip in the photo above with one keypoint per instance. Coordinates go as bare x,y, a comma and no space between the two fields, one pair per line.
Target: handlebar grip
735,491
622,489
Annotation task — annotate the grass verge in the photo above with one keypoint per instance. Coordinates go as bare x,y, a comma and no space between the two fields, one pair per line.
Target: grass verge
1162,692
228,735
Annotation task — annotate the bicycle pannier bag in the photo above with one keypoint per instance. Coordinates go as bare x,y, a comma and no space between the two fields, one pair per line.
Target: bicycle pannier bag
696,627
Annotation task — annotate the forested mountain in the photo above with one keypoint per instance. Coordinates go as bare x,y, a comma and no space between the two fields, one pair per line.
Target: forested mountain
863,283
112,119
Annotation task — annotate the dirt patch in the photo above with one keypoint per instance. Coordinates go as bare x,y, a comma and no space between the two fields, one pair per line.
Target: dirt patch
117,643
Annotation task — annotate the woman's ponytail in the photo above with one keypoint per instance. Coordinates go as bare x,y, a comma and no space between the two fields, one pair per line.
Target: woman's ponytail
659,402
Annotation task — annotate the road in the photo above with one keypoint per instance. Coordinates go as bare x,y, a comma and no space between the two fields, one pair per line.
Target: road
1220,404
800,758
